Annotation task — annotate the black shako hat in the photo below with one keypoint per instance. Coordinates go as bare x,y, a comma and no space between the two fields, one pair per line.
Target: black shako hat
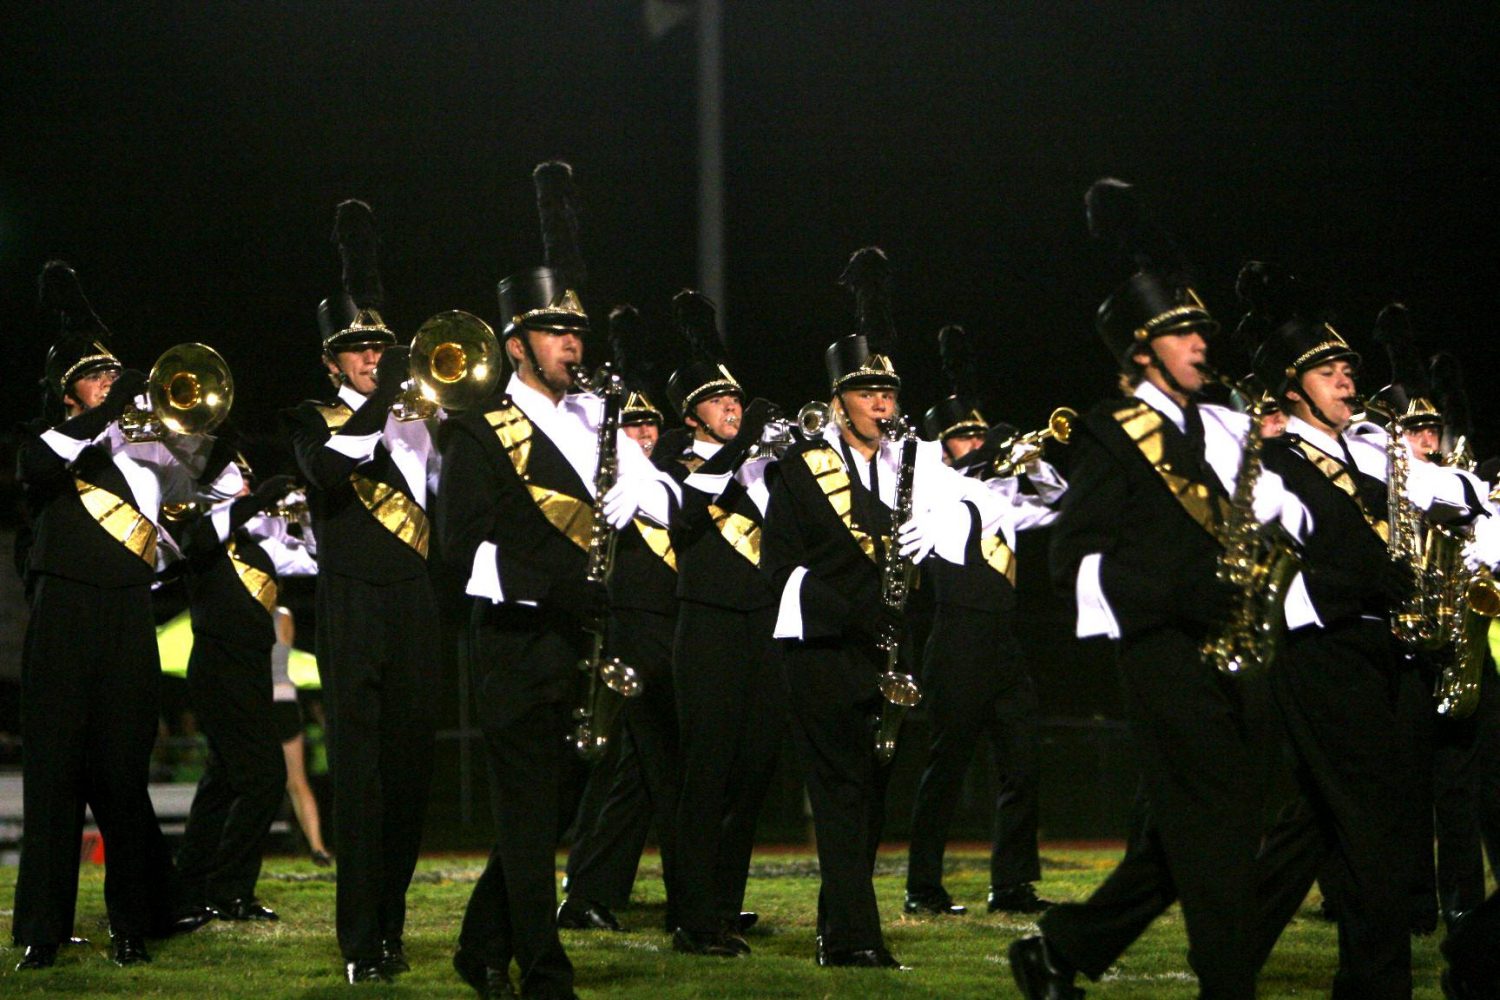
1148,305
546,298
1297,346
351,319
705,374
863,360
952,416
627,343
80,347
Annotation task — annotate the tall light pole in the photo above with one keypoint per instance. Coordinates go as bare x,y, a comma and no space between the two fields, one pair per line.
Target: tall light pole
710,156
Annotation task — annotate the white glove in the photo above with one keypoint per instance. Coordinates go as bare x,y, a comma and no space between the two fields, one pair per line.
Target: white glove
917,537
622,501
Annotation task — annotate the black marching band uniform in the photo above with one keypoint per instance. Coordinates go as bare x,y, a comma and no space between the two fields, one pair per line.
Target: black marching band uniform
90,673
828,523
974,679
1335,687
1137,546
234,556
517,506
725,663
367,475
643,785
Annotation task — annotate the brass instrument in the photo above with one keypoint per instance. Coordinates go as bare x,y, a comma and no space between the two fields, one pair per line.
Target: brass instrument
1259,561
1414,623
813,417
190,390
1470,601
1015,453
455,365
899,689
610,681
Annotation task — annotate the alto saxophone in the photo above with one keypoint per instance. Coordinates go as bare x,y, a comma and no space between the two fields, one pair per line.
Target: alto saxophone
1259,561
899,689
610,681
1412,622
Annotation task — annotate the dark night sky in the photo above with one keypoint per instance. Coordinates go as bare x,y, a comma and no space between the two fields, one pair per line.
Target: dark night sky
186,159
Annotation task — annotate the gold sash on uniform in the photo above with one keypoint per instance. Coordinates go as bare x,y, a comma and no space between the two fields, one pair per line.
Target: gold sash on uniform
261,585
999,557
1143,425
658,540
1339,475
124,523
397,513
567,514
741,532
831,478
335,415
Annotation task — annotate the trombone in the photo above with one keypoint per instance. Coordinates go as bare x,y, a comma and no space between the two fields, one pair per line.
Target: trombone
455,365
190,391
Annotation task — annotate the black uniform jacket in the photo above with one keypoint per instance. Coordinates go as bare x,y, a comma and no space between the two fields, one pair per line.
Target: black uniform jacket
841,590
718,541
1118,505
351,541
223,591
66,540
976,585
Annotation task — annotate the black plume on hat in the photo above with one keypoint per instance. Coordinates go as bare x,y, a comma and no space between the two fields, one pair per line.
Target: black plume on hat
704,374
626,331
557,204
960,363
868,278
1393,331
359,243
1452,397
63,305
1117,216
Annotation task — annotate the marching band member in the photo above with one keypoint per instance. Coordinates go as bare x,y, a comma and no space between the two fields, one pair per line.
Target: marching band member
90,673
1333,688
1137,544
974,675
518,507
234,556
729,692
828,524
368,480
646,777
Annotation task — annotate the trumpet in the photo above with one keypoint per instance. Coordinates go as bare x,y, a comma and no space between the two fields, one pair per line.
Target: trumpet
190,390
455,365
1016,452
813,417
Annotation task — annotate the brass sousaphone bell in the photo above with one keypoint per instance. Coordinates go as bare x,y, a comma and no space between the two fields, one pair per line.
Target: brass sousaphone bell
190,390
455,365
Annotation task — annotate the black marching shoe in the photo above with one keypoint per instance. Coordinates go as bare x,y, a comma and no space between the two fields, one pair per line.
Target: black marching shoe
585,916
861,958
748,919
709,943
941,905
129,949
1040,973
393,957
38,956
490,983
1018,898
364,970
185,921
244,908
735,940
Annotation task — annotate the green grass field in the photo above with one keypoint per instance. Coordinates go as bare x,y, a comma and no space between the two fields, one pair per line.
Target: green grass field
951,957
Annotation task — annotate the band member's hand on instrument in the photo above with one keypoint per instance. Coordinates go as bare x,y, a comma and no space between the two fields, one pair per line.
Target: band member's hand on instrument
585,601
264,495
756,416
1203,598
884,620
393,370
624,499
90,424
1396,581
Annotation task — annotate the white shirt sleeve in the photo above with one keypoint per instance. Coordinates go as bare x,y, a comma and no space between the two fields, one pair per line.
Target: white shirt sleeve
789,613
66,448
1299,608
1095,616
484,578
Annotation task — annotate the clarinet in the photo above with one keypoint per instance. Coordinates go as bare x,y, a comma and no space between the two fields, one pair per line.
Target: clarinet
899,689
610,681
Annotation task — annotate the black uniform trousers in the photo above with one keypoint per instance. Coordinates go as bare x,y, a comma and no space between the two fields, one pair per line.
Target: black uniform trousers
1487,762
1335,695
522,661
379,661
602,864
1199,736
244,780
845,783
731,713
975,684
90,680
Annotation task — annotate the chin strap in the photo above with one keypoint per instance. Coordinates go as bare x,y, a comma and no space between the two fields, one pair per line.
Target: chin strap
848,423
1313,407
1166,376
